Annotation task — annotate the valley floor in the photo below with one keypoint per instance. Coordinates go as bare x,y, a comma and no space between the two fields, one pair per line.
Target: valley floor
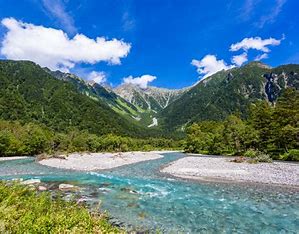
100,161
217,168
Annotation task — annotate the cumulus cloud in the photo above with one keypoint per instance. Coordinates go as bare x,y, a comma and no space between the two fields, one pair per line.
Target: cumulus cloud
209,65
240,59
56,8
98,77
141,81
256,43
54,49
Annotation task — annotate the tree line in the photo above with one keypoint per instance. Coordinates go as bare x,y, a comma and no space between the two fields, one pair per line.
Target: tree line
269,128
33,139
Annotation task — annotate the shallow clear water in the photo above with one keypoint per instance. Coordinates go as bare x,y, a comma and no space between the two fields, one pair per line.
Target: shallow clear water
139,197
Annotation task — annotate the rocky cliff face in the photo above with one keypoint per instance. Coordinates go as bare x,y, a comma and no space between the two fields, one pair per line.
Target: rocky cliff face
229,92
277,82
151,98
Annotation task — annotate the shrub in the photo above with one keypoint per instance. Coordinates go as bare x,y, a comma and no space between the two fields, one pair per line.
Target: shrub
262,157
292,155
24,211
251,153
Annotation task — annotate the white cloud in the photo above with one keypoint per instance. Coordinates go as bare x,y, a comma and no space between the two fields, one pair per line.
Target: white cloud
271,16
209,65
256,43
240,59
261,56
98,77
54,49
141,81
56,8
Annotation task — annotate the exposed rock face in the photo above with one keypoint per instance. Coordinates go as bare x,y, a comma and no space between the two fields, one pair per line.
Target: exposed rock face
272,88
151,98
277,82
228,92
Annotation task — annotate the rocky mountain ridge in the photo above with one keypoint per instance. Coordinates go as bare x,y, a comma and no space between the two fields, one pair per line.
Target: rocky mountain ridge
228,92
151,98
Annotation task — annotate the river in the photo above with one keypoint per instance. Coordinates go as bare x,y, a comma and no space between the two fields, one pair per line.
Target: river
139,197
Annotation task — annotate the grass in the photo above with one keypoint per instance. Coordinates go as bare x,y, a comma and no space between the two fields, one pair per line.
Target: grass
23,210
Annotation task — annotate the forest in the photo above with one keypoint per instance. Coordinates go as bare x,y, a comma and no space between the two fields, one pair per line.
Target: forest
269,129
33,139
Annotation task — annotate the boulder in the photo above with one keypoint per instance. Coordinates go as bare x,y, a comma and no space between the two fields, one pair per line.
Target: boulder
68,187
42,188
31,181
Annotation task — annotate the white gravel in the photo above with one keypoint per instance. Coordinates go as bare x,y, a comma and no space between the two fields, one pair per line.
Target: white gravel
12,158
219,168
99,161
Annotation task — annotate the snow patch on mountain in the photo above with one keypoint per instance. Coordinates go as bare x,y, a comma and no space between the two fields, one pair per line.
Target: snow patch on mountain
154,123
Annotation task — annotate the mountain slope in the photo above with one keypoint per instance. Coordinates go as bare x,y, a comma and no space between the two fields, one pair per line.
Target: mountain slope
97,92
230,91
29,94
151,98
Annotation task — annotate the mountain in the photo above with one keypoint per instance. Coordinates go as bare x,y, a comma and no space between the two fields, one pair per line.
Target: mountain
151,98
227,92
97,92
30,94
123,99
149,101
61,101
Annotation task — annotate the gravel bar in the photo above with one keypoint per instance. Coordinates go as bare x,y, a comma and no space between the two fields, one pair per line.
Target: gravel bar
220,168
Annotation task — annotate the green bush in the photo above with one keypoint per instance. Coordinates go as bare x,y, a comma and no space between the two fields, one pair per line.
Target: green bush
262,157
292,155
251,153
24,211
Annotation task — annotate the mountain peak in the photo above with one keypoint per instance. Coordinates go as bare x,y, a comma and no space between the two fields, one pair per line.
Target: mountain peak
154,98
257,64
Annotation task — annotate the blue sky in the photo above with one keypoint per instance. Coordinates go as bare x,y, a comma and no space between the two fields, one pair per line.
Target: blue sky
169,43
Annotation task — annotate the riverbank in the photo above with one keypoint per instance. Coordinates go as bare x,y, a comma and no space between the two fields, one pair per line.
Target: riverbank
12,158
100,161
24,211
216,168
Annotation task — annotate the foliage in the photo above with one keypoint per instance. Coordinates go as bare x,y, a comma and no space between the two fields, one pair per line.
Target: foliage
30,94
250,153
24,211
261,157
32,139
228,92
292,155
270,130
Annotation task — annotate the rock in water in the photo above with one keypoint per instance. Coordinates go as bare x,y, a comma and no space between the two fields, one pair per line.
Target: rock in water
68,187
31,181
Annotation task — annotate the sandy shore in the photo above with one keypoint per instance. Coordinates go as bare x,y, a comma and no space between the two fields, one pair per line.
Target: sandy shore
100,161
12,158
220,168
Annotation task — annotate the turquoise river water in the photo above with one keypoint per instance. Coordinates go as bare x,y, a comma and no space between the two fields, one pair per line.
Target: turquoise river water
138,197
